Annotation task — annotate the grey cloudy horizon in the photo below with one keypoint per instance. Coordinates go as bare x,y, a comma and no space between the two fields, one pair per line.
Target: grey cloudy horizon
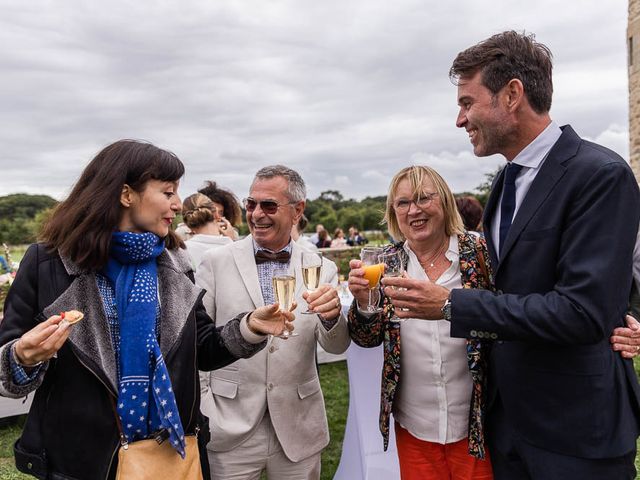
346,92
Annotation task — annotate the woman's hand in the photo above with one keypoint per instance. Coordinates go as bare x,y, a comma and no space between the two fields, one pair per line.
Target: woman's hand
226,229
270,320
358,285
626,340
324,301
42,341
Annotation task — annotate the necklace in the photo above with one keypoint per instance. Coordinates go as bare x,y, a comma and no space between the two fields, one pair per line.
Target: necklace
431,262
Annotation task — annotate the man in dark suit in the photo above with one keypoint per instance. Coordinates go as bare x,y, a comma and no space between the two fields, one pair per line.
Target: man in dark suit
560,224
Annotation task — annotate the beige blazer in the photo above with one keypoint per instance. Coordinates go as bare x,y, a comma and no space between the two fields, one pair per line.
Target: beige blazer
282,377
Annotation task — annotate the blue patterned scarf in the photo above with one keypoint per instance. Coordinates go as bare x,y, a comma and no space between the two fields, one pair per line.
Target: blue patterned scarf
146,403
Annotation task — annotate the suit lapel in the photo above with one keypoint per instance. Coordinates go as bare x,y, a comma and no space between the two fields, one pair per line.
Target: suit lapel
550,173
489,212
245,262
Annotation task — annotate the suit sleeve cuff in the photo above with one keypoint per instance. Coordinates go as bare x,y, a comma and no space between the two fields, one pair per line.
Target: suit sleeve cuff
247,334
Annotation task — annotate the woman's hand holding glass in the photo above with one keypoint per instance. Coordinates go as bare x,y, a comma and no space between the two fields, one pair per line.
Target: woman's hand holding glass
359,286
271,320
369,269
43,341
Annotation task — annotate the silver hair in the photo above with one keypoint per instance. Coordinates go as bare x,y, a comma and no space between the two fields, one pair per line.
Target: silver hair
296,191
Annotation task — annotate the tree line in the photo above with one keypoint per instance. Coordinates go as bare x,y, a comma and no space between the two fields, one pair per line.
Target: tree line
22,214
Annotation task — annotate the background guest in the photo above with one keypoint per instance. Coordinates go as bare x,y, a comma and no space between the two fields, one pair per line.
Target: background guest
355,239
470,209
227,205
299,238
210,230
338,239
323,239
315,238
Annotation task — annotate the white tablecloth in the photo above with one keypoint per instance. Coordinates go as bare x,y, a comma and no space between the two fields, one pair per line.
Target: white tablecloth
362,456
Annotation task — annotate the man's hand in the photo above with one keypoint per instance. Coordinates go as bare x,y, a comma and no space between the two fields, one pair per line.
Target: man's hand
415,298
626,340
324,301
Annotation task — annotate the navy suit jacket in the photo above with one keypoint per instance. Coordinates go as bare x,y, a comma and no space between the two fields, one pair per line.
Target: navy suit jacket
563,280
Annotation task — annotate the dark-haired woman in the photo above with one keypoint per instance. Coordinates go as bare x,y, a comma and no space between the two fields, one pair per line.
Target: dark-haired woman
227,207
129,369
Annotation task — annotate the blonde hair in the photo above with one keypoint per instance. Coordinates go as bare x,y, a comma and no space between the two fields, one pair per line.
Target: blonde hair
416,175
198,210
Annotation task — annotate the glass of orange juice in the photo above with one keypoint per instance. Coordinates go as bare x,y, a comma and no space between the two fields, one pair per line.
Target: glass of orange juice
373,271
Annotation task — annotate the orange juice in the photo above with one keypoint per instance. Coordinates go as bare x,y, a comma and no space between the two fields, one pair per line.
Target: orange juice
373,273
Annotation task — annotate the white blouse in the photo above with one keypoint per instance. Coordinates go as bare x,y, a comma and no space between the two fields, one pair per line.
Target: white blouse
432,401
200,243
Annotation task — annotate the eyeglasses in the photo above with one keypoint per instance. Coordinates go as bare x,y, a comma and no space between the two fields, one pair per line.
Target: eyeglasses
423,201
270,207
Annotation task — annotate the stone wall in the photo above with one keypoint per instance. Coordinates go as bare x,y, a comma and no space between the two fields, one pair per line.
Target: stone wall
633,50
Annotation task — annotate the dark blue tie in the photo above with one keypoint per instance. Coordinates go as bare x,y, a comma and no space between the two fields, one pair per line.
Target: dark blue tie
508,204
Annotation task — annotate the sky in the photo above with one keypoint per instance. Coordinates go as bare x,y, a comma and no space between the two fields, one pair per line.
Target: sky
346,92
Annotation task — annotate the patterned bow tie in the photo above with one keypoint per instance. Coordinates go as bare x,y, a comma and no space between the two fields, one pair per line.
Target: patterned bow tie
262,256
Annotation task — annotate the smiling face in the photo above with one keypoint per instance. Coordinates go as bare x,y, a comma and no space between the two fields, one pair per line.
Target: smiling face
482,115
419,224
273,231
151,210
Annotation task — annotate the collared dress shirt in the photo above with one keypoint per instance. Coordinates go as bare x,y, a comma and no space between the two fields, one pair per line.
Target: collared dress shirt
531,158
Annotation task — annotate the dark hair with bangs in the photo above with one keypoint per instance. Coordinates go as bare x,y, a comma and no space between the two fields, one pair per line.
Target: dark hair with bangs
80,227
506,56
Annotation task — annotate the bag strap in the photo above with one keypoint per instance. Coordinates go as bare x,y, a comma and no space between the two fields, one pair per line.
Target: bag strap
123,440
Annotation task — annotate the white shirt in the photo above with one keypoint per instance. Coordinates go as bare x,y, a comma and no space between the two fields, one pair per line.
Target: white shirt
531,158
200,243
433,398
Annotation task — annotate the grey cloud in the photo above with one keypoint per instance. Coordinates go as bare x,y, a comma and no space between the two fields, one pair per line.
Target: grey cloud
345,92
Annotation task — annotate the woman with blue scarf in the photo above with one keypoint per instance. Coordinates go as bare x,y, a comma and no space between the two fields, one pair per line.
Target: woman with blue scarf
128,370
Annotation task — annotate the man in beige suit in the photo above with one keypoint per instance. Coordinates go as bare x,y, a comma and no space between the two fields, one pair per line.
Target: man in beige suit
267,412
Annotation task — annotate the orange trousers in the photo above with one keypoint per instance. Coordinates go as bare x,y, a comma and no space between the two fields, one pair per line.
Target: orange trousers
421,460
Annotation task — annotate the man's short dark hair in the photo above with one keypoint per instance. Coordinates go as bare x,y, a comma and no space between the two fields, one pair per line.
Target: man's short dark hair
506,56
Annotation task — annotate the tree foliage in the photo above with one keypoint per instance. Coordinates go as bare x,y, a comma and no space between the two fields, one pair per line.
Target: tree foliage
332,210
21,216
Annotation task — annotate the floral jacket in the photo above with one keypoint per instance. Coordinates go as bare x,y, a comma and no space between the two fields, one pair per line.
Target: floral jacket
371,331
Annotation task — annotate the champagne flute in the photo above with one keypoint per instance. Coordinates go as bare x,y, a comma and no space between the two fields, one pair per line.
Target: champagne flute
393,267
284,288
372,272
311,266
